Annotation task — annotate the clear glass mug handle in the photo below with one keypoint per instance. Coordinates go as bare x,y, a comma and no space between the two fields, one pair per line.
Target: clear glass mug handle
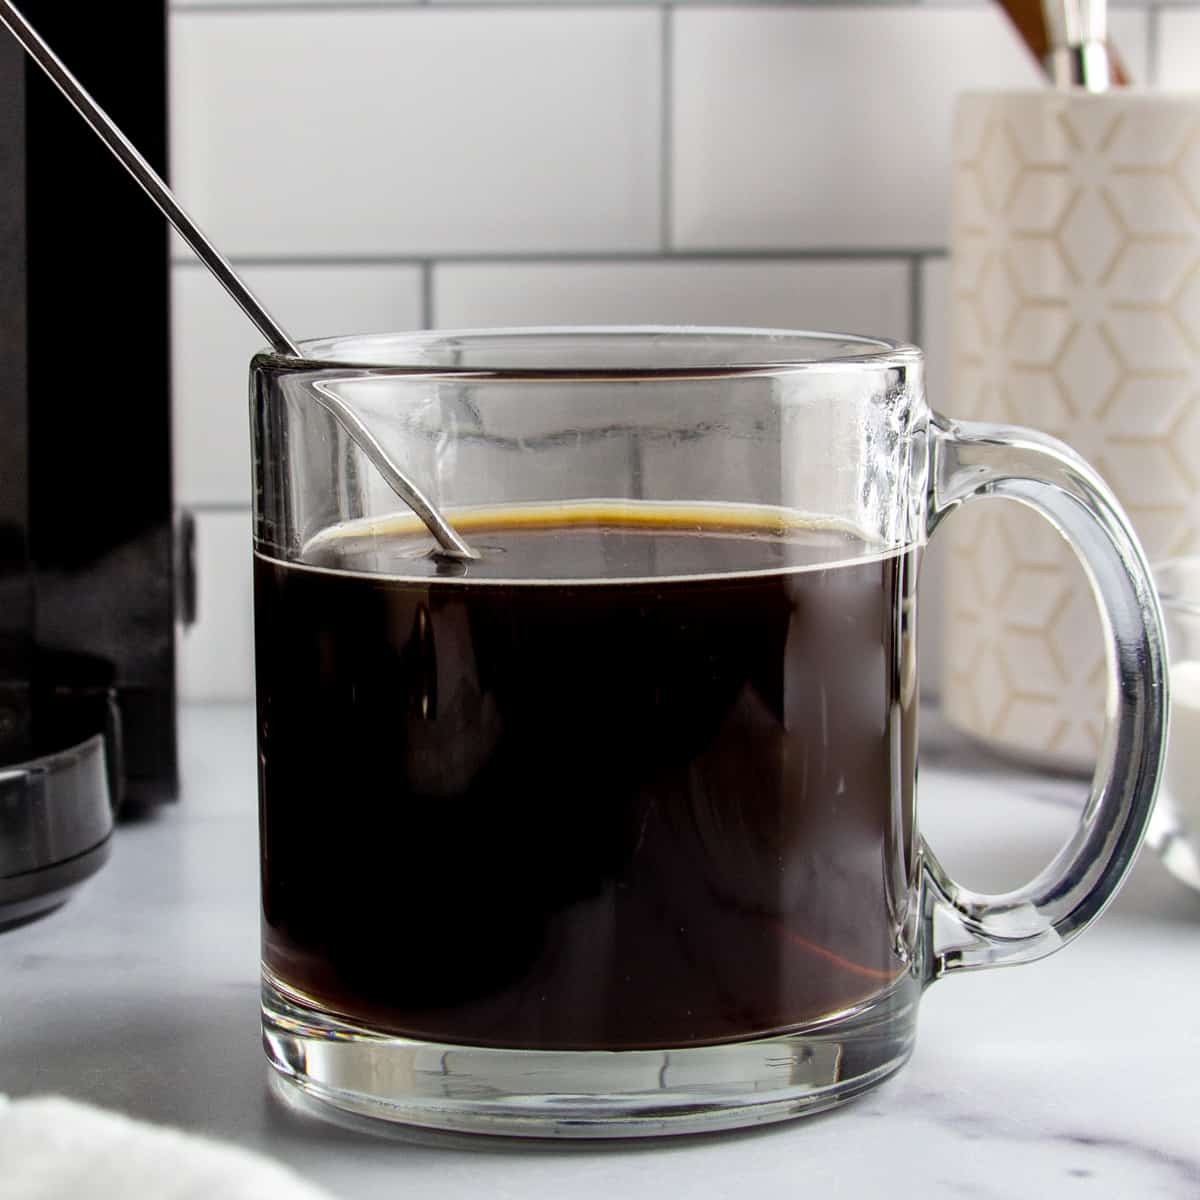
969,460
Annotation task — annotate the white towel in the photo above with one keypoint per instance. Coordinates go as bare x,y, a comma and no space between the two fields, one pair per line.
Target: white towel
55,1149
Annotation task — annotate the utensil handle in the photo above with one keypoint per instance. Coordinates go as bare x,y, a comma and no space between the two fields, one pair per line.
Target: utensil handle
974,460
149,179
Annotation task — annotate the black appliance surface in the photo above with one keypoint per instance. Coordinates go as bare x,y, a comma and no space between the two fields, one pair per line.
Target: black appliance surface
87,670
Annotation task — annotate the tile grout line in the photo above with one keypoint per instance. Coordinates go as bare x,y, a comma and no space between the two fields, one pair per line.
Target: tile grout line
916,299
226,7
666,127
569,257
427,294
1153,45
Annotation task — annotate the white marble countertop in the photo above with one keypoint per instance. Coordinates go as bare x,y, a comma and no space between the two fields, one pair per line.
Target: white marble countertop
1079,1075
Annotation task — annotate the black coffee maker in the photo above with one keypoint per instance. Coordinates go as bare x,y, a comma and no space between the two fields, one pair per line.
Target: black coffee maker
87,546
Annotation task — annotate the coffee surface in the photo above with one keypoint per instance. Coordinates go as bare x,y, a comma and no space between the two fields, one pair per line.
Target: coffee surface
641,778
607,541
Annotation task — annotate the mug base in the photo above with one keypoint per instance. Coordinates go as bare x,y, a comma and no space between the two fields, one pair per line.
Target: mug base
556,1094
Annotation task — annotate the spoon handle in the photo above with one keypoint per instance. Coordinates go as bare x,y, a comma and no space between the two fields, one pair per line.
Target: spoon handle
151,182
452,545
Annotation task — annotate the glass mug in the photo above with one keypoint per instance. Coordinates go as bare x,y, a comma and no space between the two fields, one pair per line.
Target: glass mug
612,831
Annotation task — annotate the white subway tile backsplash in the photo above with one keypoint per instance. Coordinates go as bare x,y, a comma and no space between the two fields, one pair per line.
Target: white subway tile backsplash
375,131
1179,49
213,343
216,654
365,131
858,296
830,127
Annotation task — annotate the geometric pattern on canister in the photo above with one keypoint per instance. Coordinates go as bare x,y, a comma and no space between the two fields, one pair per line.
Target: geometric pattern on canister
1074,309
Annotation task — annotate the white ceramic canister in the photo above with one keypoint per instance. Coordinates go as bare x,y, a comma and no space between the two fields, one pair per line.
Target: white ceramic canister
1075,309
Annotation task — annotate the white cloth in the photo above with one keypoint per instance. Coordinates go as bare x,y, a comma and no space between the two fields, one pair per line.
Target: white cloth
56,1149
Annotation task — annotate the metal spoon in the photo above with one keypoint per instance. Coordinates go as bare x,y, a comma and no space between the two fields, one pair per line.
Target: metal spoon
449,542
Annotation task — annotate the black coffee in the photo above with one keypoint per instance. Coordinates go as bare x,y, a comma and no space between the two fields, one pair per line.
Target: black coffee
662,797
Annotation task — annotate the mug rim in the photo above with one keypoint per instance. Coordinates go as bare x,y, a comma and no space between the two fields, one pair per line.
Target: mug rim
688,351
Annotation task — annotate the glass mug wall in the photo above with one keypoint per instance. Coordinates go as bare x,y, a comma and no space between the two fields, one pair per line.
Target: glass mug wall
613,830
